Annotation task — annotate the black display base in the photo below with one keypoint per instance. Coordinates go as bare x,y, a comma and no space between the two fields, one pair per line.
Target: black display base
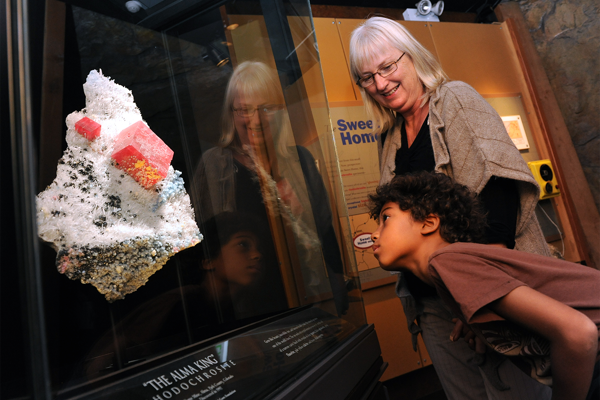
307,355
351,372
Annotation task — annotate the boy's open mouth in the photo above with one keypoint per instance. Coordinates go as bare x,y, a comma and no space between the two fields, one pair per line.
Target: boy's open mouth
375,248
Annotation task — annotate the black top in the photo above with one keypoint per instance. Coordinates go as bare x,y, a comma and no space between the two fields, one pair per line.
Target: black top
500,196
419,156
248,195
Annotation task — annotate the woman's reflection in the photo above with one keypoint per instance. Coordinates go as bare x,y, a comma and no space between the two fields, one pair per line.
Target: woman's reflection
256,167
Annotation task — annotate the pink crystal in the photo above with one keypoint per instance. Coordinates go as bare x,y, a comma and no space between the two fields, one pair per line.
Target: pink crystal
88,128
142,154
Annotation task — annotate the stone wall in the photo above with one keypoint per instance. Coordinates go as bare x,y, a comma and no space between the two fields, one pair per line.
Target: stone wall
567,36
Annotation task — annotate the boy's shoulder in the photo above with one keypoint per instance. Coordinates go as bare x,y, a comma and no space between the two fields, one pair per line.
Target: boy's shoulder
489,251
466,256
469,249
485,265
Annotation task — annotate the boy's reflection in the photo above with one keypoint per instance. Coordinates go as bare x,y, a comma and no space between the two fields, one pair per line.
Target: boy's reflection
238,265
236,268
227,279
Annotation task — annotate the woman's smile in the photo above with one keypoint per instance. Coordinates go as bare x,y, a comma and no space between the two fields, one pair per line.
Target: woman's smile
255,131
391,92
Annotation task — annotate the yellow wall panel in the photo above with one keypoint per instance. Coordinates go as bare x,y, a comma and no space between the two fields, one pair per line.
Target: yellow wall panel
479,55
421,31
250,40
345,28
313,82
333,61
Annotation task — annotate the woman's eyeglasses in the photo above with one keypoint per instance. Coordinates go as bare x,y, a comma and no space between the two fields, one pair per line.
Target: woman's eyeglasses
384,71
268,109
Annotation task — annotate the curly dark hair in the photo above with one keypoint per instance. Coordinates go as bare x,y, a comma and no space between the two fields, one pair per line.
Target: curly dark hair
218,230
462,218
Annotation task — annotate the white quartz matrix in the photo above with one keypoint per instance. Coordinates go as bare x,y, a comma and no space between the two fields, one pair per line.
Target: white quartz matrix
107,229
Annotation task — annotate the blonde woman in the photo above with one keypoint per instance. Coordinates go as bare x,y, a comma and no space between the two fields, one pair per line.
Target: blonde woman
427,122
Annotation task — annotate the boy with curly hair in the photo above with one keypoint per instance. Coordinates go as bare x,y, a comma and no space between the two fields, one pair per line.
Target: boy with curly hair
544,310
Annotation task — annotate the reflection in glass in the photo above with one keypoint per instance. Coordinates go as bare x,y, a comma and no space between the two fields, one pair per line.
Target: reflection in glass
256,168
239,277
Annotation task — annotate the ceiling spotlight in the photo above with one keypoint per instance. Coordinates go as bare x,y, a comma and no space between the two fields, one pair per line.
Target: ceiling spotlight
424,7
216,55
438,8
134,6
424,11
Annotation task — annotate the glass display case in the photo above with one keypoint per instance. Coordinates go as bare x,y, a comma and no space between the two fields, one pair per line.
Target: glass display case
177,225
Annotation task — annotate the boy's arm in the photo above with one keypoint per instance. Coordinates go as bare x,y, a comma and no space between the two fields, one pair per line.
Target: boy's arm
573,337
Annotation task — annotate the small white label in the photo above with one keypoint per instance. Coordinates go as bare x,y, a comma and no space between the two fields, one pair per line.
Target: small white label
363,241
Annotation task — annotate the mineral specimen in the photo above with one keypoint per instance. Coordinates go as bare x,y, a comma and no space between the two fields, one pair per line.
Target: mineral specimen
142,154
107,229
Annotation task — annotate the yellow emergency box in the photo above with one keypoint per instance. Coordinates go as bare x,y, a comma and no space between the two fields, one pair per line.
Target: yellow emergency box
544,175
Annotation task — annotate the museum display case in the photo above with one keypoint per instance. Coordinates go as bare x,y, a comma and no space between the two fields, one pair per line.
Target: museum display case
177,227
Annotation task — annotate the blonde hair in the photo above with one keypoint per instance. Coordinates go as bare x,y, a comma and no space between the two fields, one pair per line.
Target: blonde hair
252,79
367,42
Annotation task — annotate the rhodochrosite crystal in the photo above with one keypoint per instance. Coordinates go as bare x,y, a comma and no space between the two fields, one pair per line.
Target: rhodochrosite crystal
142,154
107,228
88,128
